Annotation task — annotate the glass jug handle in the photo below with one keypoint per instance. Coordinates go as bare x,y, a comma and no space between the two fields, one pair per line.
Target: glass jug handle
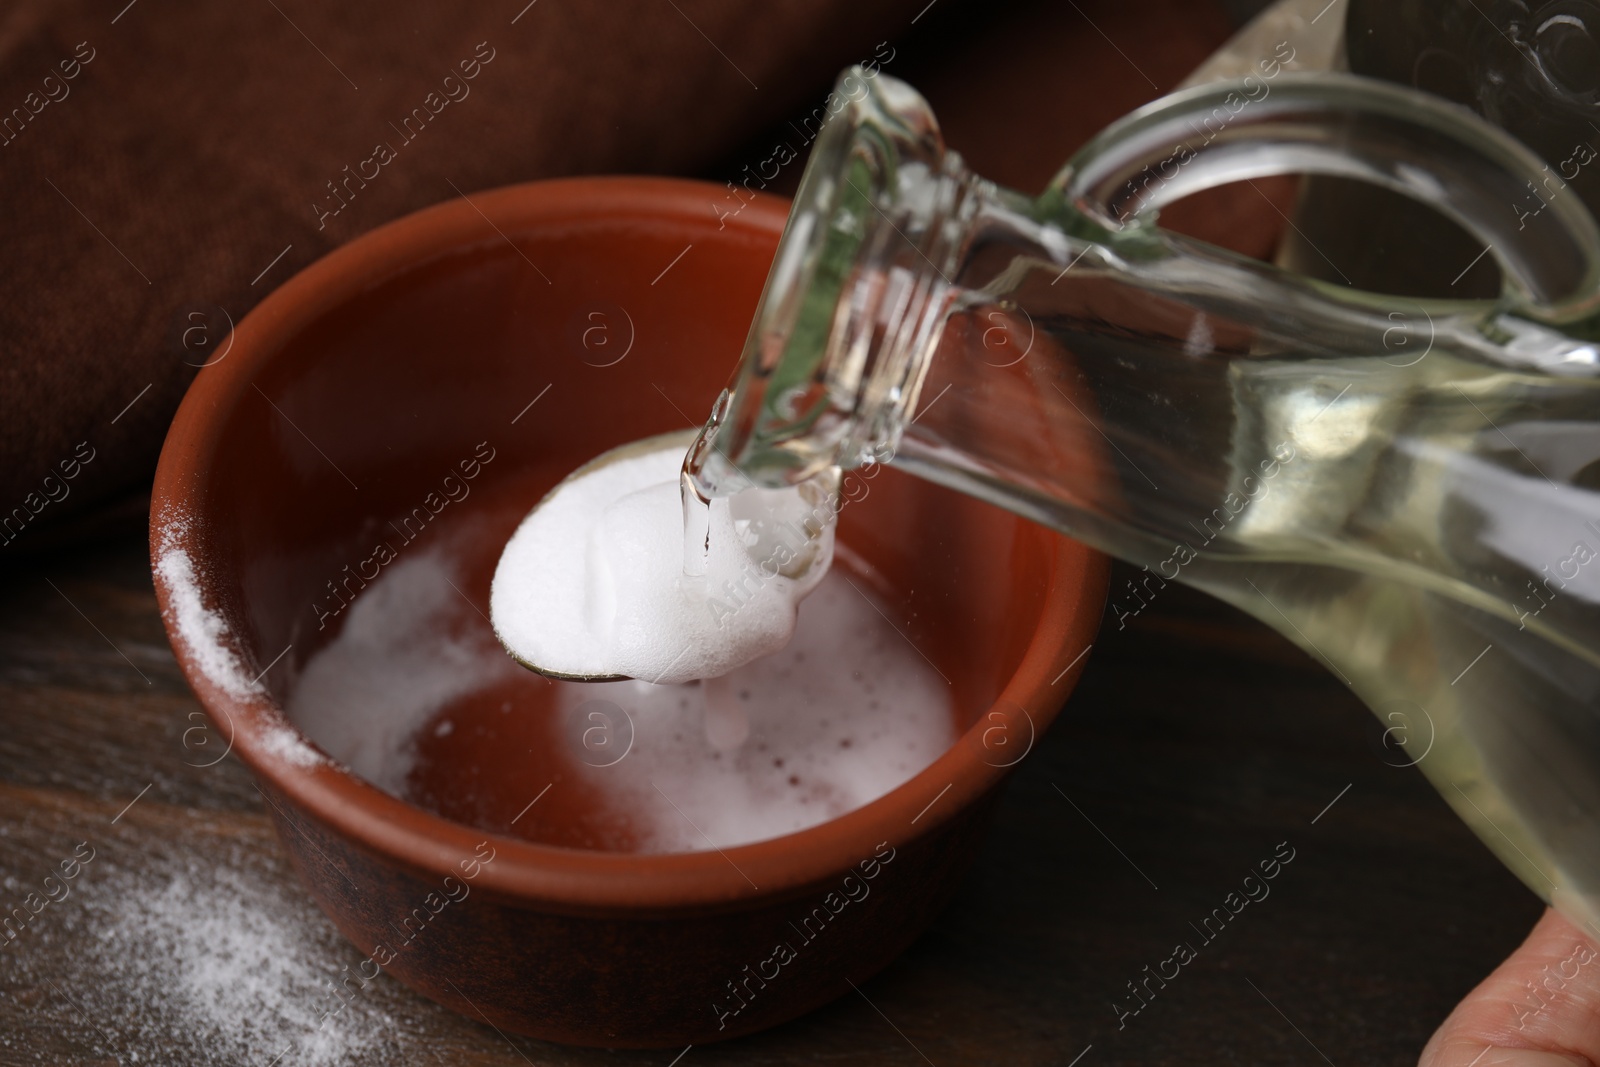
1541,234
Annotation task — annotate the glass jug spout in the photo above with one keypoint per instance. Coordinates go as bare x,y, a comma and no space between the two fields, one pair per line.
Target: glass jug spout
1408,489
891,236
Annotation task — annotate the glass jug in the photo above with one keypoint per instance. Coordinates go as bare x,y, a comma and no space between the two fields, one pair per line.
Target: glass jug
1407,489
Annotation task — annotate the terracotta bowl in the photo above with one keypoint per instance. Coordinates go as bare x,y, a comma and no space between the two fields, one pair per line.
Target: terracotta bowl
514,336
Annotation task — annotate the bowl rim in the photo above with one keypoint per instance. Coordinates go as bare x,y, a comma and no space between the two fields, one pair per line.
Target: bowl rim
547,876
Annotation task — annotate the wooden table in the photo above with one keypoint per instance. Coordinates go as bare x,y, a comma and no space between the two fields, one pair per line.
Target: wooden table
1197,742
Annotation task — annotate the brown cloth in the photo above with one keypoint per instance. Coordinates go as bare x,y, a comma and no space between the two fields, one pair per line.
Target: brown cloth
164,166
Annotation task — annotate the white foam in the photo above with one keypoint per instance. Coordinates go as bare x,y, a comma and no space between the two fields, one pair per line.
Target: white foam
408,647
812,708
846,712
592,582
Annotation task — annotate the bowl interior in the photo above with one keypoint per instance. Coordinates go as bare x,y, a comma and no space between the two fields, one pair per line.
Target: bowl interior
405,424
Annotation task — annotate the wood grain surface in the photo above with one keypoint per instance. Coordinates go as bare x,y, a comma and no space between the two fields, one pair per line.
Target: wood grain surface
1196,745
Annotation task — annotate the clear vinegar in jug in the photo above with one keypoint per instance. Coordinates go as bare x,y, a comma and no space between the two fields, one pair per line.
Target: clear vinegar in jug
1407,489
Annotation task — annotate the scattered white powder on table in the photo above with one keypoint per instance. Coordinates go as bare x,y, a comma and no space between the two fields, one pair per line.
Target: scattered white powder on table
207,964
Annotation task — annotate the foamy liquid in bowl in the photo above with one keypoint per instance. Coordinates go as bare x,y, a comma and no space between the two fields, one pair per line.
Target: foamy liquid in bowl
415,694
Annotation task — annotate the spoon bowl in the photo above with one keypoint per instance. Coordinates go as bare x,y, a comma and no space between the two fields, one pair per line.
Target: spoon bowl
681,439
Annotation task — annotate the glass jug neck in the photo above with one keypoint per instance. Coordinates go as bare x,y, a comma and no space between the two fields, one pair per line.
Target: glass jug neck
855,302
890,233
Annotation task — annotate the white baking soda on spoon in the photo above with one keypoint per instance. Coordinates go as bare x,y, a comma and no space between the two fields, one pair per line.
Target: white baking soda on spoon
593,584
